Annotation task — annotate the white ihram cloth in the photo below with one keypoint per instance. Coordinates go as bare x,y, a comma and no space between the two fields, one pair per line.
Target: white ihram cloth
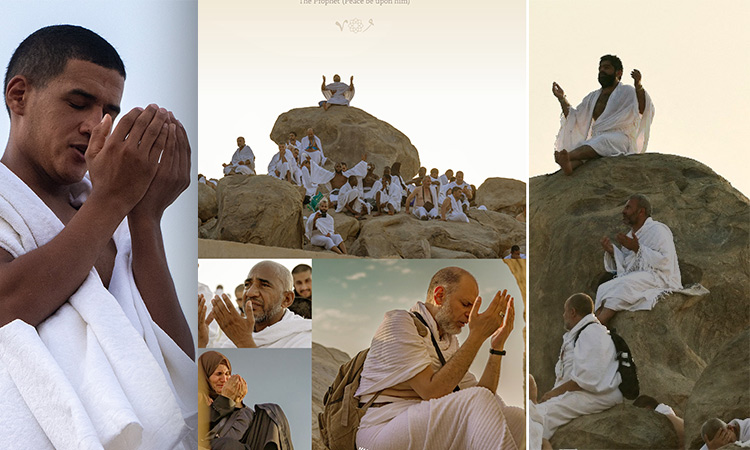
348,194
472,418
338,93
420,211
323,226
314,151
391,195
743,439
619,130
282,167
241,155
98,373
591,363
456,213
644,276
292,331
667,410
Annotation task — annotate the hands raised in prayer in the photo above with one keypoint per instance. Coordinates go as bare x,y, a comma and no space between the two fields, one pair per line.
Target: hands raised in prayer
557,91
351,79
235,388
501,335
607,245
324,78
202,322
237,328
629,243
636,74
487,323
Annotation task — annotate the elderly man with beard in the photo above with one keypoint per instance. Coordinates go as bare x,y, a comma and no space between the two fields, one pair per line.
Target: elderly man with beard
645,265
269,290
426,396
611,121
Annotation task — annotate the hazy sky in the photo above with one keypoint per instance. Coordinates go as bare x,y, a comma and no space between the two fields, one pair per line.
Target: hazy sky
449,75
231,272
157,43
351,297
280,376
693,57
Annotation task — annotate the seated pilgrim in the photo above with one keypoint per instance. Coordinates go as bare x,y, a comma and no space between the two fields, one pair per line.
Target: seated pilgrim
337,93
320,229
243,160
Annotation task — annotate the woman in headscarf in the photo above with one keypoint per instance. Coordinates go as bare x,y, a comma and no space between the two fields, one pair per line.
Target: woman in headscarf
226,423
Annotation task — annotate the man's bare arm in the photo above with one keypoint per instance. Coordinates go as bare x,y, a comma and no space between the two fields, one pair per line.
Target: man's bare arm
558,92
491,374
640,93
430,384
409,199
568,386
36,284
150,268
444,209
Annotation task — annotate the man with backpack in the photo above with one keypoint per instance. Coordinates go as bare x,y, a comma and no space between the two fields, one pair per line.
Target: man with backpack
416,381
587,378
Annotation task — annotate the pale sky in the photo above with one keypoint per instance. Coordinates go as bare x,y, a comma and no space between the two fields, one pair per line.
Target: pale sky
157,43
694,59
449,75
231,272
352,296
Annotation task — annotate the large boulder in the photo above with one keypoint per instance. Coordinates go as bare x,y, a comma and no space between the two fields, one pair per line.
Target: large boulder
723,389
325,365
404,236
207,206
621,427
259,210
504,195
709,220
347,132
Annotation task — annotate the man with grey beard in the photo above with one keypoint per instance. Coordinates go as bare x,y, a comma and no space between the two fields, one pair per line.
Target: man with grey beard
426,398
269,290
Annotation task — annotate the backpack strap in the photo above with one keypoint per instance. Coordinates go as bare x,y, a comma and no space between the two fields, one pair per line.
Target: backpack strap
434,343
579,332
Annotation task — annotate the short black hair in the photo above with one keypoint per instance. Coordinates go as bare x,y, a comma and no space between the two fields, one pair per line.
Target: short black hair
44,54
515,248
301,268
613,59
645,401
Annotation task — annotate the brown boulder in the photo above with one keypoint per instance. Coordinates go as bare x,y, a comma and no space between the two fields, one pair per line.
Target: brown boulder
347,133
259,210
325,365
504,195
207,206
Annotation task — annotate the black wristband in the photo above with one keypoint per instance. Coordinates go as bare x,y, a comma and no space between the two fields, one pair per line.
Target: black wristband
497,352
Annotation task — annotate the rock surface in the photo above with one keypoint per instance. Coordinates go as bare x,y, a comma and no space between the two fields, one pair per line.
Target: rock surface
503,195
259,210
346,133
709,220
723,389
207,206
325,365
621,427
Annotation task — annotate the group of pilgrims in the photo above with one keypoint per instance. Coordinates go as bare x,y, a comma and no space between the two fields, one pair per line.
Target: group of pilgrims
357,190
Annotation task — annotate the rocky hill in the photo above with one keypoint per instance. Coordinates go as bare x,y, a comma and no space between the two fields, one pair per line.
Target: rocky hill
677,342
325,365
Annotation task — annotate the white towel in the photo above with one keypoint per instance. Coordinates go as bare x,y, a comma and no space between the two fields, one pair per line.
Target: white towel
98,373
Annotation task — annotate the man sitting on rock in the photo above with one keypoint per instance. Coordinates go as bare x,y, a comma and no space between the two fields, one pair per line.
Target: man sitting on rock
614,120
388,196
425,201
452,208
447,177
350,199
243,160
587,380
468,190
320,229
424,403
716,433
282,165
269,290
292,142
312,148
417,180
515,253
646,264
337,93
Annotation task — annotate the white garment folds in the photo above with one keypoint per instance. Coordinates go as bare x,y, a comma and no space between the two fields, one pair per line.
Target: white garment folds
456,214
338,93
292,331
619,130
644,276
318,234
98,373
472,418
591,363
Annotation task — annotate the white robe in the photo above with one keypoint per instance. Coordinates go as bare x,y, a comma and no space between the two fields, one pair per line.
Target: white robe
323,226
338,93
392,195
282,167
243,154
315,150
644,276
292,331
348,194
472,418
591,363
456,213
103,373
619,130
